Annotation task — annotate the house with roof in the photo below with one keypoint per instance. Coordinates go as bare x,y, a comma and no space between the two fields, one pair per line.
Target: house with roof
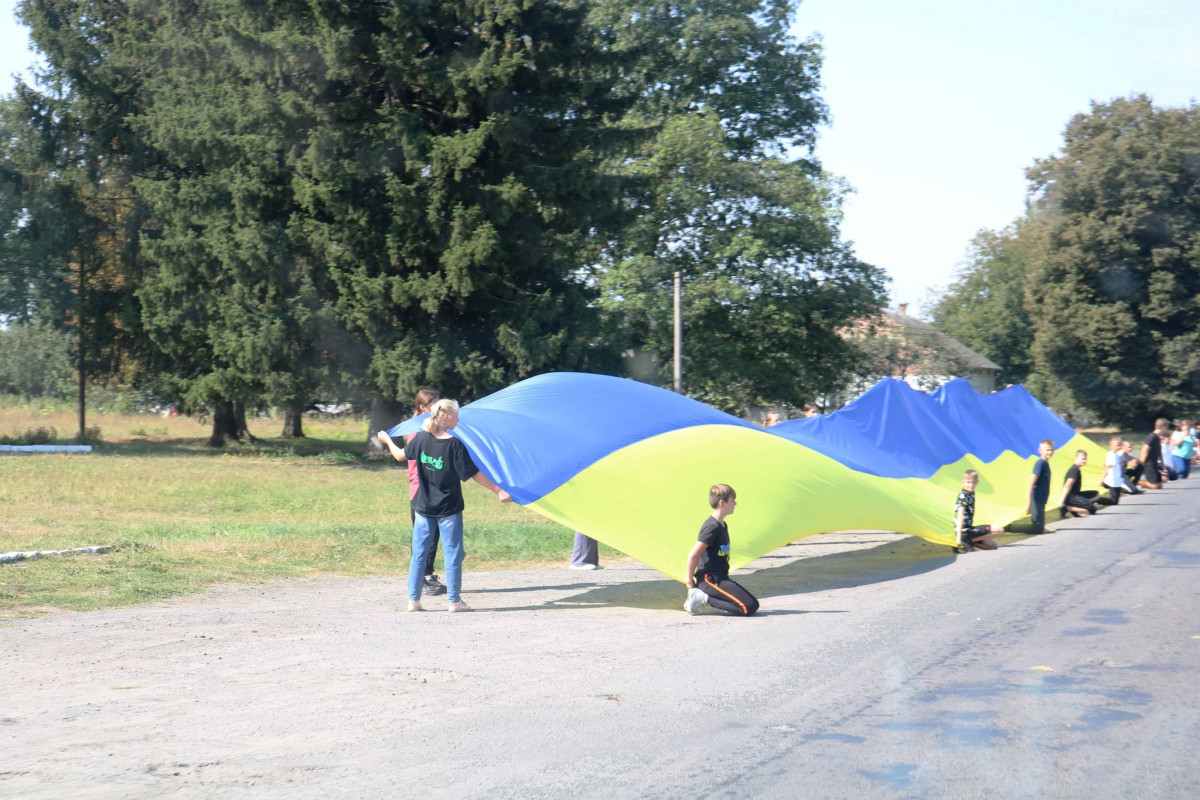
924,357
906,348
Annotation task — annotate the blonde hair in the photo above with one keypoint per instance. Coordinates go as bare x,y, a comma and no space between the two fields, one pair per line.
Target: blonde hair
970,474
438,412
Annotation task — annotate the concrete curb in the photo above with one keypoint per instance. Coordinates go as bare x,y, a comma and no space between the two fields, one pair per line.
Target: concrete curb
12,558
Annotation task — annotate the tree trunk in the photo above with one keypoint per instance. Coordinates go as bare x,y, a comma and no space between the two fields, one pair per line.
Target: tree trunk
239,422
384,414
224,425
292,423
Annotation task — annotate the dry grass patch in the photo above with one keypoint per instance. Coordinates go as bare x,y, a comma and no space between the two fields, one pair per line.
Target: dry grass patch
189,517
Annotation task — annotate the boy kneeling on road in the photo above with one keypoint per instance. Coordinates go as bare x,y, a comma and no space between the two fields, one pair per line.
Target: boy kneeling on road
708,562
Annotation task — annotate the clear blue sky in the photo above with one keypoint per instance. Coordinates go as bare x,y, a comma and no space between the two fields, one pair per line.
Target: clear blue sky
938,106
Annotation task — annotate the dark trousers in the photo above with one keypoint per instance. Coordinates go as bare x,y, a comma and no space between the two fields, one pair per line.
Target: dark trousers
976,532
1082,500
1037,521
1183,466
433,525
726,595
1037,517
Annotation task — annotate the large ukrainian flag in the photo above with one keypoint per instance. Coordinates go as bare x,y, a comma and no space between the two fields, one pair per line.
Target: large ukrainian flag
630,464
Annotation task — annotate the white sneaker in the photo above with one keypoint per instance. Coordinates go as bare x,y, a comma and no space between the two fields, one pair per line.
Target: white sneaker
695,599
459,606
414,605
585,566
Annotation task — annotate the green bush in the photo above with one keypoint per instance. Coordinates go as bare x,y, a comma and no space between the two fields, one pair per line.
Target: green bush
31,436
35,361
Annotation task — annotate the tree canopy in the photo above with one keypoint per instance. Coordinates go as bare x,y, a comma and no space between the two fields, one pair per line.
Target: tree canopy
1113,286
254,203
1106,263
985,308
718,195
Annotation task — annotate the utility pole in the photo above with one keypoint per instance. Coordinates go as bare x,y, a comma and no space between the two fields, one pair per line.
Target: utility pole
678,332
80,303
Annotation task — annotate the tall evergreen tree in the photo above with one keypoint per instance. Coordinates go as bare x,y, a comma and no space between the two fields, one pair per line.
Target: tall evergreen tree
452,185
72,157
233,303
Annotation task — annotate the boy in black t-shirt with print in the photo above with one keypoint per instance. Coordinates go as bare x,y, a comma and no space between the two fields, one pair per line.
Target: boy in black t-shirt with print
708,562
443,464
969,534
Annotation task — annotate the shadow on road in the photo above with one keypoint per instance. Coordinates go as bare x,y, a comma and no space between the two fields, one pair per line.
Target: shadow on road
797,574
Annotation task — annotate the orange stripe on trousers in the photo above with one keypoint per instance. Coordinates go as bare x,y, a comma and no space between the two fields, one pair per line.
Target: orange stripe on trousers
745,610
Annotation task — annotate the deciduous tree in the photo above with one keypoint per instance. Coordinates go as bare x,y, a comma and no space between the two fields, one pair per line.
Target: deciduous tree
985,307
1115,268
720,194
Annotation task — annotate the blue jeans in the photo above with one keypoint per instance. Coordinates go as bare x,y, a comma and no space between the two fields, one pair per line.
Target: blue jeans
425,529
1182,465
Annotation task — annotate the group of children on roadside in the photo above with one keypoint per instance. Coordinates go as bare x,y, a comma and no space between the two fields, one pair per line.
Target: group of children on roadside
439,464
1164,456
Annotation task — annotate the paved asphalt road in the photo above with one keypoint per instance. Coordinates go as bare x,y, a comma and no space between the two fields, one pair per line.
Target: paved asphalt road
1060,666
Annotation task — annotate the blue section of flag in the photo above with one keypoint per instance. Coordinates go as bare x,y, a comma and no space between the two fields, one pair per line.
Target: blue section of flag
537,434
896,431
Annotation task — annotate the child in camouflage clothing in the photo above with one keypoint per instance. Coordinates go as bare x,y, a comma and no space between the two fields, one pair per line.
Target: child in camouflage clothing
969,534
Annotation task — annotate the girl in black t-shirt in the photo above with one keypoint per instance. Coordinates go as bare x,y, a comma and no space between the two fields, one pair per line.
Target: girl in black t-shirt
708,562
443,463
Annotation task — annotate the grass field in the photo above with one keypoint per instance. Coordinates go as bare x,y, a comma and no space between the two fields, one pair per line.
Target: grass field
187,517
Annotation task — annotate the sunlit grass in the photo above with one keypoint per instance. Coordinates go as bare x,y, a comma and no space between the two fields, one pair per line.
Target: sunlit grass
187,517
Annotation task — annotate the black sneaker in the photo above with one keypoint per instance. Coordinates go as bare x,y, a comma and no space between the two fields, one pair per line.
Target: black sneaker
433,586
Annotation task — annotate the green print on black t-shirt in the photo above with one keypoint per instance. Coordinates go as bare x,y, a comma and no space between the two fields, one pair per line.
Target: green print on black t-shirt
442,465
